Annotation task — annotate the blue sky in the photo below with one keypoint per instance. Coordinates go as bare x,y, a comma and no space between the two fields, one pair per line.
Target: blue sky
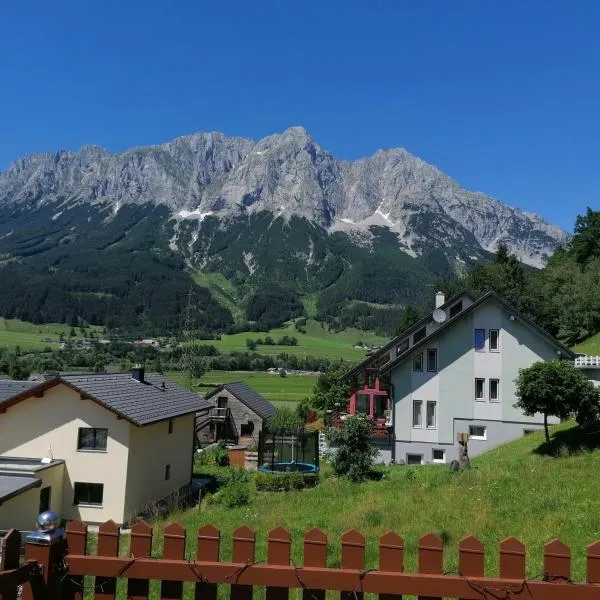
504,96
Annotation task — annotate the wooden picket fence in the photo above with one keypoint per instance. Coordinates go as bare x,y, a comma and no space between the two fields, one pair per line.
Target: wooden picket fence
58,571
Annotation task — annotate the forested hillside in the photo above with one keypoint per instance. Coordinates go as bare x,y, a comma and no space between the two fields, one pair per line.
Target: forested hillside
564,297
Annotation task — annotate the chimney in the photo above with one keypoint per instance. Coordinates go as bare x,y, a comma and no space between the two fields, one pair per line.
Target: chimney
138,373
439,299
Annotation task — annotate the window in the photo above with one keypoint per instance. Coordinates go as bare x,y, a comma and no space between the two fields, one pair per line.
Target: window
414,459
454,310
432,359
363,404
419,335
477,432
494,390
431,415
480,340
480,389
494,340
402,347
247,429
418,362
417,417
88,493
167,472
438,456
170,426
92,439
222,402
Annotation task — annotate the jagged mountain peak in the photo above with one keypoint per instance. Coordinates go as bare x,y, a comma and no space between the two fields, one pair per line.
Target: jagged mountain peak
285,174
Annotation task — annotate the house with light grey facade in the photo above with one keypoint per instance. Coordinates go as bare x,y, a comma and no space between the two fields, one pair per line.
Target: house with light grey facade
454,372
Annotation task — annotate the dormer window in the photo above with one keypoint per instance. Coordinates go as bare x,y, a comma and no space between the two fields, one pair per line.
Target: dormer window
455,309
402,347
419,335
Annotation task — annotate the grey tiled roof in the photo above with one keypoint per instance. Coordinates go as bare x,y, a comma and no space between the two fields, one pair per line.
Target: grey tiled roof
251,398
11,485
140,403
9,388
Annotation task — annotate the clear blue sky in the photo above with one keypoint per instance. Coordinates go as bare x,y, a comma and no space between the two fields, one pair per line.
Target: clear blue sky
503,95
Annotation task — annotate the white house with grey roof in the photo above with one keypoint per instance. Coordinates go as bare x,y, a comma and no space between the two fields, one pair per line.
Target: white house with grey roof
454,372
93,447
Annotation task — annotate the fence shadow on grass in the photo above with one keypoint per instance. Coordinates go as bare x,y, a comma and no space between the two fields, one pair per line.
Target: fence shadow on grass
570,442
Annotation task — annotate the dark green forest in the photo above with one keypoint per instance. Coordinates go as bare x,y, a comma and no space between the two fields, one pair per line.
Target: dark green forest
563,297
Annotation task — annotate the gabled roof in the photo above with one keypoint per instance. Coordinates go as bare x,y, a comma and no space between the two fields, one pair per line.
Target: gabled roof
407,332
485,298
142,403
250,397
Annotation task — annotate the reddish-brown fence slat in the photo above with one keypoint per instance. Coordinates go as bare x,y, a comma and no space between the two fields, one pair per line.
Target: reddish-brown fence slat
76,544
391,558
557,561
174,549
353,557
512,559
108,545
593,563
10,549
209,542
471,560
279,552
315,555
141,547
431,558
244,542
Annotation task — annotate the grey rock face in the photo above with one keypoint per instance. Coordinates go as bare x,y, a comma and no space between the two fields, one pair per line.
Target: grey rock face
285,174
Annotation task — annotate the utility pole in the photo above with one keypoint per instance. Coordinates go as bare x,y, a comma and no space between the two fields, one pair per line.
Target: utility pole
189,337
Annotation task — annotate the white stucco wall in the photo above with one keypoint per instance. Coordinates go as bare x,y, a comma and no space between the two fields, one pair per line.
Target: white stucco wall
49,425
152,448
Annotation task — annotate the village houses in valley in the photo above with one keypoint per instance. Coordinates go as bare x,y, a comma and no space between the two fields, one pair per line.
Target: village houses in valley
93,447
452,372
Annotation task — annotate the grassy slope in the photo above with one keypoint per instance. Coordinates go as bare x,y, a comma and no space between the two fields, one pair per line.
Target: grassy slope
590,346
292,388
315,342
222,290
29,336
511,491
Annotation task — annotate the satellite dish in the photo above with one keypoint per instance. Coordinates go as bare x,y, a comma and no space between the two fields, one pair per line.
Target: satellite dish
439,316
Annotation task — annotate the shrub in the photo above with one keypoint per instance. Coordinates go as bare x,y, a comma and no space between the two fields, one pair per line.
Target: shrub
235,494
285,482
354,455
284,421
221,455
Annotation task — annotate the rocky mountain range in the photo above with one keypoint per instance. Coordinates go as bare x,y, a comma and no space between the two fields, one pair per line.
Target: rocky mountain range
284,207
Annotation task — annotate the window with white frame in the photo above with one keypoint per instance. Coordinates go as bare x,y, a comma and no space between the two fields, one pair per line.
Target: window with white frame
432,359
414,459
438,455
431,418
479,389
494,340
418,362
477,432
417,413
480,340
494,390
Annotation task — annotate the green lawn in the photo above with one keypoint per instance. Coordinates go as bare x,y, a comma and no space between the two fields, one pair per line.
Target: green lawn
292,388
510,491
590,346
30,336
317,341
